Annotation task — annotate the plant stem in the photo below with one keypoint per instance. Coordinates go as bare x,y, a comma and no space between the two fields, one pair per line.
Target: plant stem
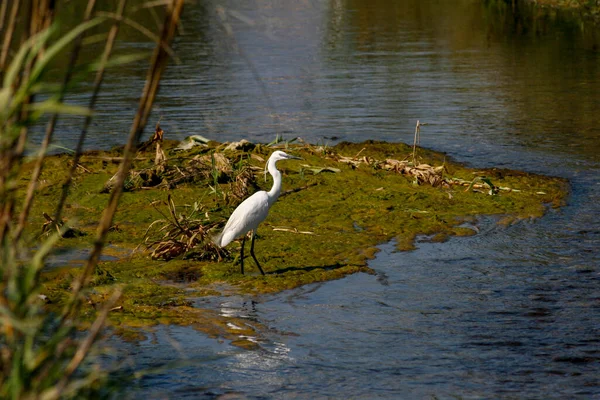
149,92
112,35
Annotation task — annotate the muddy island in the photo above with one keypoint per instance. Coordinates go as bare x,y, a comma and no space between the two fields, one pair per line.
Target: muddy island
336,206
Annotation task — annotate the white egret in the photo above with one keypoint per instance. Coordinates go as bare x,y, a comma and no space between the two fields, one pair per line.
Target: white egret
252,211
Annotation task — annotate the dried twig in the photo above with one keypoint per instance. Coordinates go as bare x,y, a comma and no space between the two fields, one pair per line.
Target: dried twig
8,35
182,235
37,170
294,230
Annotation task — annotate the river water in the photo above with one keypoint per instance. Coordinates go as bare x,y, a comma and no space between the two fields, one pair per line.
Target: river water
513,312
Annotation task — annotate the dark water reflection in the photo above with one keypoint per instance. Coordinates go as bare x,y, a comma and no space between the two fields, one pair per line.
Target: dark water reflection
510,313
356,70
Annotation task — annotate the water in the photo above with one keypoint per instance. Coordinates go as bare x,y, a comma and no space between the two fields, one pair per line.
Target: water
480,317
484,80
509,313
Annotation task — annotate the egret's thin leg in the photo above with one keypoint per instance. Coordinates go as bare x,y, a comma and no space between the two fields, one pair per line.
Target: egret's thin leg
242,254
252,253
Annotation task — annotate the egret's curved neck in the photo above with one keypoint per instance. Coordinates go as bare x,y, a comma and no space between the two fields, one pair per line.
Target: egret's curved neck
276,189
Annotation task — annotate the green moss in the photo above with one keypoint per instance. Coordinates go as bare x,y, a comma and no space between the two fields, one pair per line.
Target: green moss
327,229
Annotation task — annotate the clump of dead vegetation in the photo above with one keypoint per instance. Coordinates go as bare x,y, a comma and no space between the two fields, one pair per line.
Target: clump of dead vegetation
188,236
409,166
422,173
225,169
208,165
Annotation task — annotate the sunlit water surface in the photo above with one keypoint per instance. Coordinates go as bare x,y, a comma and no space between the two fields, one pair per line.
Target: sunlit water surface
509,313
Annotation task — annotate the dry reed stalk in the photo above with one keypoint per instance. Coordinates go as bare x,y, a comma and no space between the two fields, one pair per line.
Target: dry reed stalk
112,35
9,34
12,152
416,142
40,18
158,64
3,6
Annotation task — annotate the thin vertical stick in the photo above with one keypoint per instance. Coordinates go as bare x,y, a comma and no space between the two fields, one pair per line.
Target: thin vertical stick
112,35
159,63
37,170
9,34
417,139
3,7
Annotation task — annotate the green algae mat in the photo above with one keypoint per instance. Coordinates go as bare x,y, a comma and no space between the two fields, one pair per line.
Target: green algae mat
337,204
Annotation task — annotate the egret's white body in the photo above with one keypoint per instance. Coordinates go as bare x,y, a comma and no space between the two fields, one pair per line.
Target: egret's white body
252,211
248,216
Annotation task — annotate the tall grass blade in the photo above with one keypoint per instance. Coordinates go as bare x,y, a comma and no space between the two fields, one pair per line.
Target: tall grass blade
12,72
154,75
8,35
60,44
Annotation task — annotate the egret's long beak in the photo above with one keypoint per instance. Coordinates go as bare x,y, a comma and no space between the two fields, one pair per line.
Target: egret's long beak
291,157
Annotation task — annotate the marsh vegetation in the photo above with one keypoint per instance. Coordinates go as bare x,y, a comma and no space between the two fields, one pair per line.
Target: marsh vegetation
41,353
336,207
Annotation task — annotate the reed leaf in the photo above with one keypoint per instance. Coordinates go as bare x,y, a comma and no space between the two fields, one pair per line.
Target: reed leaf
41,354
119,60
60,45
54,106
13,70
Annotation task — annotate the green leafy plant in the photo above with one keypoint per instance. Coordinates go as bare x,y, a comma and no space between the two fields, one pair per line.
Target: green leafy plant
214,172
39,352
44,355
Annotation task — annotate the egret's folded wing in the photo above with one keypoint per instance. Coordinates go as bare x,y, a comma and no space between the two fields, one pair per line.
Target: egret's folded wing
246,217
